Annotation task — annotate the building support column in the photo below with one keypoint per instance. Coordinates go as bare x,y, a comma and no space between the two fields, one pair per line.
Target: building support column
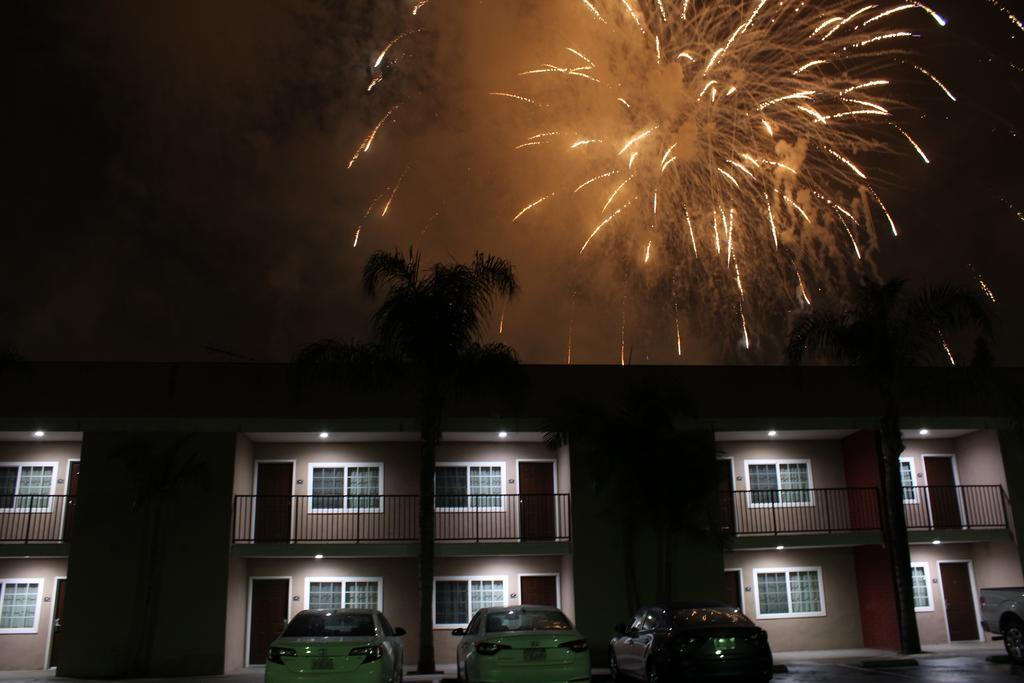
148,567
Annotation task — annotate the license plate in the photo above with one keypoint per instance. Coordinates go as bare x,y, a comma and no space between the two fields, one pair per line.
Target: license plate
323,663
725,644
534,654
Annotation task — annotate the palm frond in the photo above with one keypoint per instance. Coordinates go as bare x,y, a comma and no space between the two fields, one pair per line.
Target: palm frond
390,269
819,334
949,308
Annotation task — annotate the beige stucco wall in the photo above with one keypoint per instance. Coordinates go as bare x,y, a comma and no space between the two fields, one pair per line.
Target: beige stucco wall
839,628
511,567
828,508
400,474
994,565
235,626
400,589
979,458
44,525
931,625
22,651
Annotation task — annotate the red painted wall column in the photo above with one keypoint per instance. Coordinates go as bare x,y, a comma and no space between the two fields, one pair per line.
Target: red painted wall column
877,594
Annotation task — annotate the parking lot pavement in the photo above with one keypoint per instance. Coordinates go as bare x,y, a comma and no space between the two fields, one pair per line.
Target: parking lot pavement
954,668
934,669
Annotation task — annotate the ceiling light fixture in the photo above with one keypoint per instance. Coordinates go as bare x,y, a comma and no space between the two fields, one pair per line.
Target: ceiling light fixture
324,435
923,432
318,556
39,433
780,547
502,434
772,433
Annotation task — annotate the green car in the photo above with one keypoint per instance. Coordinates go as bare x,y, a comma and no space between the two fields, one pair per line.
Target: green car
526,644
349,645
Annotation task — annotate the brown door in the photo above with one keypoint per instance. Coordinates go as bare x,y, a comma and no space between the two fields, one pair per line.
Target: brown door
725,496
269,613
956,591
273,502
942,493
58,613
70,501
538,590
536,500
733,588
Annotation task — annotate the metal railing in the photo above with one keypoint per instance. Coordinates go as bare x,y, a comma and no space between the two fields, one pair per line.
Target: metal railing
793,511
839,510
28,518
395,518
955,507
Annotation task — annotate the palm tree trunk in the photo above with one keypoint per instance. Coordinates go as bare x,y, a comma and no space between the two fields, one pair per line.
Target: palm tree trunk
666,532
629,562
430,433
895,528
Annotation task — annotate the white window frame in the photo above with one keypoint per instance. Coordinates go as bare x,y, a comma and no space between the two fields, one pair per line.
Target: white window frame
344,580
17,485
467,579
777,461
468,508
344,466
915,499
39,603
930,607
788,570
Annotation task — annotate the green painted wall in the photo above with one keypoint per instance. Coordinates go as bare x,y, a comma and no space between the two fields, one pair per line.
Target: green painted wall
599,566
147,576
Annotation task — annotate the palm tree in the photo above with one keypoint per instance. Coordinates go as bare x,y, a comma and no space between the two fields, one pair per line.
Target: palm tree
427,329
645,448
885,331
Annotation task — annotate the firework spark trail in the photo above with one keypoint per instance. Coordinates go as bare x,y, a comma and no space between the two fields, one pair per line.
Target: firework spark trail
690,130
749,121
364,146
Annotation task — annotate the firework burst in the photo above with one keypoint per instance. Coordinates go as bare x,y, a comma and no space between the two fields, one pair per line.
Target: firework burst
706,139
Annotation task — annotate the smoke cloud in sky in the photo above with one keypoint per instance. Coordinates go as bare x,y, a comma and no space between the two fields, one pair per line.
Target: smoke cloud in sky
177,180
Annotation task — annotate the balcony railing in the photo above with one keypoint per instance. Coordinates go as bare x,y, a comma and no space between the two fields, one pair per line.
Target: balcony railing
36,518
955,507
844,510
395,518
793,511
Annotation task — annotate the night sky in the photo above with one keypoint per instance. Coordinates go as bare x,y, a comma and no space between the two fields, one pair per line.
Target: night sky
175,178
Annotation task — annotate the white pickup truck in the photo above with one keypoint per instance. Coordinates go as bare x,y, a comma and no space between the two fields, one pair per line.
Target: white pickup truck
1002,613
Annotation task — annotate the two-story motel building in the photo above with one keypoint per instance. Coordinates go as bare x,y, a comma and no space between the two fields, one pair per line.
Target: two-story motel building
210,503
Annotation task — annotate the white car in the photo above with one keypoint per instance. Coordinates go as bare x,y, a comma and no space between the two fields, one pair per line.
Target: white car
344,645
525,644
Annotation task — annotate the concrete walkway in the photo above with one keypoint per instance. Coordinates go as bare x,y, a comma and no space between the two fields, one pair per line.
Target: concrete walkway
961,663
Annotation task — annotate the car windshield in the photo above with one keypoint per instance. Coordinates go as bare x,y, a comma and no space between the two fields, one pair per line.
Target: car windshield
710,616
327,624
527,620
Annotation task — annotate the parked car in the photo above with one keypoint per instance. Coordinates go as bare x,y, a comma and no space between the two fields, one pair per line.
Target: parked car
342,644
690,640
1002,613
519,644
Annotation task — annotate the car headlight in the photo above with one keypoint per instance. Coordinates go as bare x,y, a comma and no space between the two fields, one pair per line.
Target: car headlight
369,653
485,648
577,645
276,653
